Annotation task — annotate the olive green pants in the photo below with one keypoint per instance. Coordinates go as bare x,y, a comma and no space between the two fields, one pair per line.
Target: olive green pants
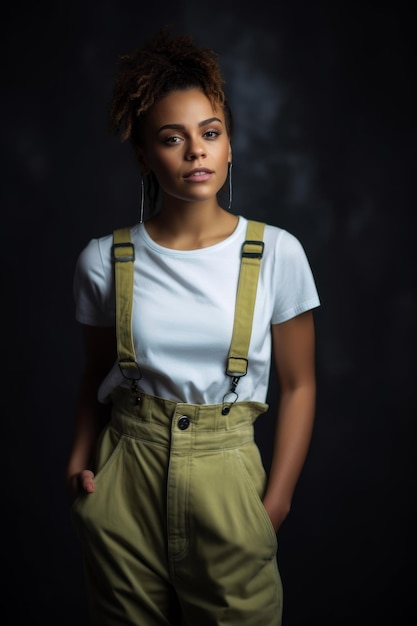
176,532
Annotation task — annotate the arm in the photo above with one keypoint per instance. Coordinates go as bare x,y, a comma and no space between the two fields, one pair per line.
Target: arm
293,351
91,415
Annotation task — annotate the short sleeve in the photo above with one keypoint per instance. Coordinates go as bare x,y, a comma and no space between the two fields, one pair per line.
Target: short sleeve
93,285
294,283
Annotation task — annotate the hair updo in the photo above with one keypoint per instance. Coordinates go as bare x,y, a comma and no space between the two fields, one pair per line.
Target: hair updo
163,64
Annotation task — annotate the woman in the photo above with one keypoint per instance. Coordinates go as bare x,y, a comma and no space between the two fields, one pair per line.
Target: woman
176,517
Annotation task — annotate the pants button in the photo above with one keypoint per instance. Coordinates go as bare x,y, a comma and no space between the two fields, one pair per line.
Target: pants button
183,423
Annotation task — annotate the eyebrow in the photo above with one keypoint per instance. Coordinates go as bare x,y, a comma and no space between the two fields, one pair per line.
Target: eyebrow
182,127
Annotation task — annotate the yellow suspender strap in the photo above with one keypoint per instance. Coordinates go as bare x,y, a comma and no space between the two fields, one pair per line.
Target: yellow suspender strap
237,363
123,253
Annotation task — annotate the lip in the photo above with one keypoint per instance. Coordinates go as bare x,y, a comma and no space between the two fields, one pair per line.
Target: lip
198,174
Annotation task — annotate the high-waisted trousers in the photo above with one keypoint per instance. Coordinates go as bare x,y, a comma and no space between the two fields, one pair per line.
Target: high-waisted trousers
175,533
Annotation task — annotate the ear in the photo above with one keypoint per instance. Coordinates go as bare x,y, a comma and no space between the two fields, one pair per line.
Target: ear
229,158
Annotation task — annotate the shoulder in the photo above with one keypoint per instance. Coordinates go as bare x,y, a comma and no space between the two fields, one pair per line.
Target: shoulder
96,251
94,263
281,243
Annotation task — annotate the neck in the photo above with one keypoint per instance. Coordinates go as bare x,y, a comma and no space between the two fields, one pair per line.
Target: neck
191,226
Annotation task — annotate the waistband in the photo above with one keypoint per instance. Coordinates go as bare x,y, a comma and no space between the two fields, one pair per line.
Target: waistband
147,408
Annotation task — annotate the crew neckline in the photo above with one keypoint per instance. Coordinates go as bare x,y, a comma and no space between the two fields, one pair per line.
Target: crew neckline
197,251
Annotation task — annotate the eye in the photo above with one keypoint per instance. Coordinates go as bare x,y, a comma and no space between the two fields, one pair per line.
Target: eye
172,139
211,134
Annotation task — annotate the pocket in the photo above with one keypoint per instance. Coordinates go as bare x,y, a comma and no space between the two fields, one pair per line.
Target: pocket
108,449
254,476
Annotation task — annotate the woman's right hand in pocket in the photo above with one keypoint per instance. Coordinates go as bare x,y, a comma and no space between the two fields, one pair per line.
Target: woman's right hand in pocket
80,482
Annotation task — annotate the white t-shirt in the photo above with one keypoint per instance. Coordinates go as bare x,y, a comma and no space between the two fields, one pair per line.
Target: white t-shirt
183,310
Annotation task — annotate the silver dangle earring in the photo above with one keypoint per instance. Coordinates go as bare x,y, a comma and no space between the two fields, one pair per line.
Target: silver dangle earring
142,200
230,185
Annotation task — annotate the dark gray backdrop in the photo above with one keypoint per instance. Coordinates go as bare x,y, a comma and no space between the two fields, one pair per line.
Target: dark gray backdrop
324,147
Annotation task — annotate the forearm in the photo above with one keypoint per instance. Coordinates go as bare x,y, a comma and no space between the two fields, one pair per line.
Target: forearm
91,415
90,418
292,439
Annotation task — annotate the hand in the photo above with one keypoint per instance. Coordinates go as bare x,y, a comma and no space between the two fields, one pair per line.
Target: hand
277,514
82,481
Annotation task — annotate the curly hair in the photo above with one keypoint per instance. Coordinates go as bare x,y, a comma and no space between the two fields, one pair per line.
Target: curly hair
163,64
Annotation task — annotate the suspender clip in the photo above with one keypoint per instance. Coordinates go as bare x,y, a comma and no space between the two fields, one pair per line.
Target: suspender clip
231,396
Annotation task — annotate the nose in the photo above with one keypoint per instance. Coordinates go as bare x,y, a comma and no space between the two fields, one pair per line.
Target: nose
195,149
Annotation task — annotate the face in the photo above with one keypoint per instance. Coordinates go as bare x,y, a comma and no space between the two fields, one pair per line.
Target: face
186,145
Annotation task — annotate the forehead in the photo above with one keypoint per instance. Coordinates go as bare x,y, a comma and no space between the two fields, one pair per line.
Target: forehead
186,107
